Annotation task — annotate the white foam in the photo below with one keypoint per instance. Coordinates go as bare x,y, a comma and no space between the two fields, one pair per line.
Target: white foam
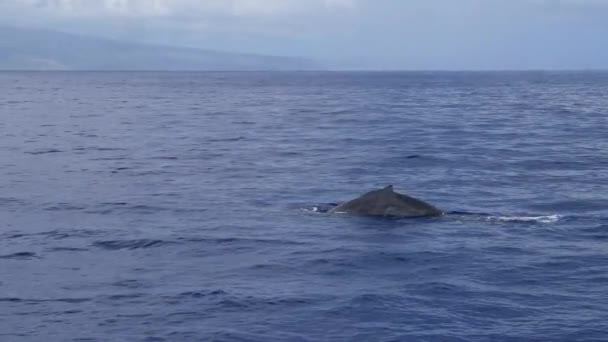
539,219
313,210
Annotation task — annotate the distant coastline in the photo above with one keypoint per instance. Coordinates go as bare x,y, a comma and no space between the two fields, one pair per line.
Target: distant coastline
44,50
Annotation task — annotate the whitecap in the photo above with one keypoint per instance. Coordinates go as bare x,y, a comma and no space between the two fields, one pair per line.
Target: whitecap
532,219
313,210
319,209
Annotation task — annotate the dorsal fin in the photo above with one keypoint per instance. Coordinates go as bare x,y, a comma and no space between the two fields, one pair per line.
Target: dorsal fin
388,188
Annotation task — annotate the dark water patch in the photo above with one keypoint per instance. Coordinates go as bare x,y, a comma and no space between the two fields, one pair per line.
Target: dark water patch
244,122
115,203
125,297
86,135
117,158
39,301
219,140
71,312
113,245
335,112
98,149
66,249
268,267
59,234
241,241
131,284
418,161
154,172
64,207
163,158
20,256
106,208
112,207
44,151
11,201
288,154
203,294
11,299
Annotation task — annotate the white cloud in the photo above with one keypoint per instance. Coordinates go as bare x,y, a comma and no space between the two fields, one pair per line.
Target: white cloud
177,7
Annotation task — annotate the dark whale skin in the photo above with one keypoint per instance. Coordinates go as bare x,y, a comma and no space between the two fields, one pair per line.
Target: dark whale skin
387,203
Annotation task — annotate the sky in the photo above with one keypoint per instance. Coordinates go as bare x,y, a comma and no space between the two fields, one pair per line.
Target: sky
349,34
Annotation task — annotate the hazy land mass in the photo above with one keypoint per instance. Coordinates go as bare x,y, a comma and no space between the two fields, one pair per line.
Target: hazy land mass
35,49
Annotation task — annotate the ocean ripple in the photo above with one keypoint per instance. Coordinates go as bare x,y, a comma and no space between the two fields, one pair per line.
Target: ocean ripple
194,206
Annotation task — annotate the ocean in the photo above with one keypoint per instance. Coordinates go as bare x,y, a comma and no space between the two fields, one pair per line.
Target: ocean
191,206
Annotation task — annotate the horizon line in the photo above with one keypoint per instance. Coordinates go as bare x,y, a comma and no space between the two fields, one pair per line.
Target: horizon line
316,70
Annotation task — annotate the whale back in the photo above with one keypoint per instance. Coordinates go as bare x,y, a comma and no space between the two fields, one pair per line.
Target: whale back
386,202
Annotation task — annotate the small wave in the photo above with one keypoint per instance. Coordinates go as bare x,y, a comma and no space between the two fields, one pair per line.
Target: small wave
123,297
53,234
234,240
11,300
163,158
130,284
526,219
115,203
66,249
20,255
58,300
129,244
239,138
110,158
64,207
99,149
201,294
6,201
47,151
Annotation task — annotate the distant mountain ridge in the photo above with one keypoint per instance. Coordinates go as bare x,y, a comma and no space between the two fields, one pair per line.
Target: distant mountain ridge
34,49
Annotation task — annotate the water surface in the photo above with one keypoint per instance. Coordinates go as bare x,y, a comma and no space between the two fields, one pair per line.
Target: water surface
184,206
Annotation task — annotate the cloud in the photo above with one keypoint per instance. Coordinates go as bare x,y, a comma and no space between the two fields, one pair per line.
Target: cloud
168,8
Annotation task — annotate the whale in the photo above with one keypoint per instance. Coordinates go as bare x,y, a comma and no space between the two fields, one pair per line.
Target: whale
386,202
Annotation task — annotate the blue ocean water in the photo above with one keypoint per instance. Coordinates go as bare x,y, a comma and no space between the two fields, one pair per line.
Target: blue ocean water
188,206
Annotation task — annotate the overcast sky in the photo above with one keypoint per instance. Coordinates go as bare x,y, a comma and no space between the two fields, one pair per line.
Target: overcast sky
376,34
